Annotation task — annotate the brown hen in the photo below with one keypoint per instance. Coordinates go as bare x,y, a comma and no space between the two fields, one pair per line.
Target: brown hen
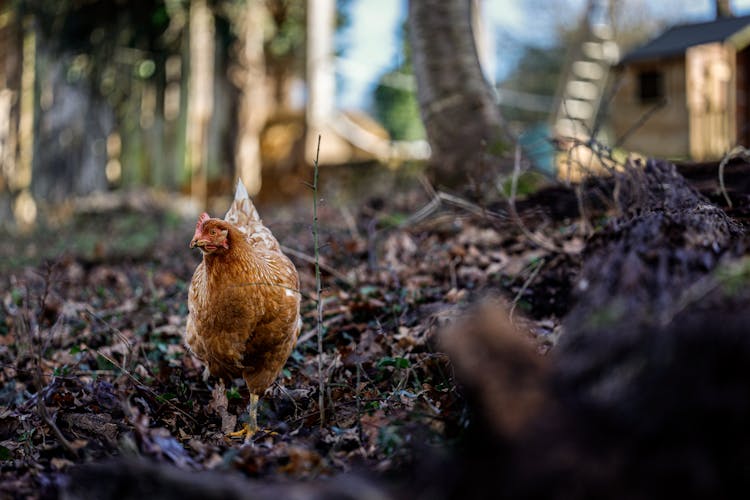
243,302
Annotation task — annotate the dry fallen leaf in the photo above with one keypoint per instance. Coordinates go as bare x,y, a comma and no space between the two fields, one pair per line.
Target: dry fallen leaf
219,405
60,463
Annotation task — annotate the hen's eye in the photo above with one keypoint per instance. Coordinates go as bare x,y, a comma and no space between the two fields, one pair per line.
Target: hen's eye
212,232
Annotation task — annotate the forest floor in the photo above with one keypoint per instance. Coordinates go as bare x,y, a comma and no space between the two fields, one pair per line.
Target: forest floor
93,363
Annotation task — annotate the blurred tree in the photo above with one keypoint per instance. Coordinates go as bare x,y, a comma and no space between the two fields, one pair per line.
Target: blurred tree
249,76
461,117
321,83
201,96
394,99
100,71
285,47
170,93
10,82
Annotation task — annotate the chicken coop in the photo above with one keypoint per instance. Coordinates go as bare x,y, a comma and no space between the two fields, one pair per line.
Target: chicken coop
685,94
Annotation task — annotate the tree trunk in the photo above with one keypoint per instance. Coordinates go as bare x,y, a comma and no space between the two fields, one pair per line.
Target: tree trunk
254,99
462,120
10,85
723,9
321,84
201,92
67,145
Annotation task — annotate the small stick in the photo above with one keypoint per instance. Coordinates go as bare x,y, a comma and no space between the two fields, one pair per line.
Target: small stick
145,388
44,414
42,409
129,345
311,260
738,152
318,290
358,396
526,284
514,214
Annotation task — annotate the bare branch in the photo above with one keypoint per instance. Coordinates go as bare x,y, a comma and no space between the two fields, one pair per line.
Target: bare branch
318,290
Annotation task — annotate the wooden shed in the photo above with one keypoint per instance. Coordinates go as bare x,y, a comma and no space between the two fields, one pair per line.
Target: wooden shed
686,93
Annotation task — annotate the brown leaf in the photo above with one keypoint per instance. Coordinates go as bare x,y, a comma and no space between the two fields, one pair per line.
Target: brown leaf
302,461
60,463
94,424
219,405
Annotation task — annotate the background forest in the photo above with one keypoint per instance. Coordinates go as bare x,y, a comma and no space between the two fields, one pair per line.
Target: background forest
128,85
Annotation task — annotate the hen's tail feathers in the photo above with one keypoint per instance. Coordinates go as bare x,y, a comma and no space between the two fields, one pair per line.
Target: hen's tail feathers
242,212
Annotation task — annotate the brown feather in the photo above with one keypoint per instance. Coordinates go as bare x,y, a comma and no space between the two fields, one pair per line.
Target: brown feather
243,303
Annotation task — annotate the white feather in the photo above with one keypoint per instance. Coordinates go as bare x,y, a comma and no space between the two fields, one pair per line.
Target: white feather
242,212
241,193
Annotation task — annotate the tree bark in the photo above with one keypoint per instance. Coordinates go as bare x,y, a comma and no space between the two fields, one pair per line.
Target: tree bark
69,152
10,86
201,93
254,96
321,84
462,120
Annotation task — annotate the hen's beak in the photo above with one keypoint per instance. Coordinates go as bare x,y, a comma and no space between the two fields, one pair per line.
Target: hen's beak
197,243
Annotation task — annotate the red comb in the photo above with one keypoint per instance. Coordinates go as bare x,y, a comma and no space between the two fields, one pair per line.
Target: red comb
203,218
199,226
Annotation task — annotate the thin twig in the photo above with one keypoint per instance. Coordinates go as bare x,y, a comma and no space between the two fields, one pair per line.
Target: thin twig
42,409
318,290
586,227
129,345
427,185
738,152
477,210
44,414
441,197
145,388
358,396
311,260
640,121
326,324
526,285
514,213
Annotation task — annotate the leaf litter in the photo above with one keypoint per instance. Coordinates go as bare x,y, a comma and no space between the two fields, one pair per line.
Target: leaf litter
95,342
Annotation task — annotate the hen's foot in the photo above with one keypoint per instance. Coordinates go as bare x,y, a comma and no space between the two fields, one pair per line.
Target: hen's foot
247,432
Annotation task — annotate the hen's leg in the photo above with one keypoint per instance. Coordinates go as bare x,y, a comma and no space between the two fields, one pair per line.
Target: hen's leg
252,409
251,426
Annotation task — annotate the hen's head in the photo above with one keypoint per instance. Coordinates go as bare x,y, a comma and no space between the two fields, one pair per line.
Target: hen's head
211,235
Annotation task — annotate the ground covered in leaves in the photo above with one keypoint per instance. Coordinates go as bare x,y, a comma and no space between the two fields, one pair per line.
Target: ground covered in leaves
93,365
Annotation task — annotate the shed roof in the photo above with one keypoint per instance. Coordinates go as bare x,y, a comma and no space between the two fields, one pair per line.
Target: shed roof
677,39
